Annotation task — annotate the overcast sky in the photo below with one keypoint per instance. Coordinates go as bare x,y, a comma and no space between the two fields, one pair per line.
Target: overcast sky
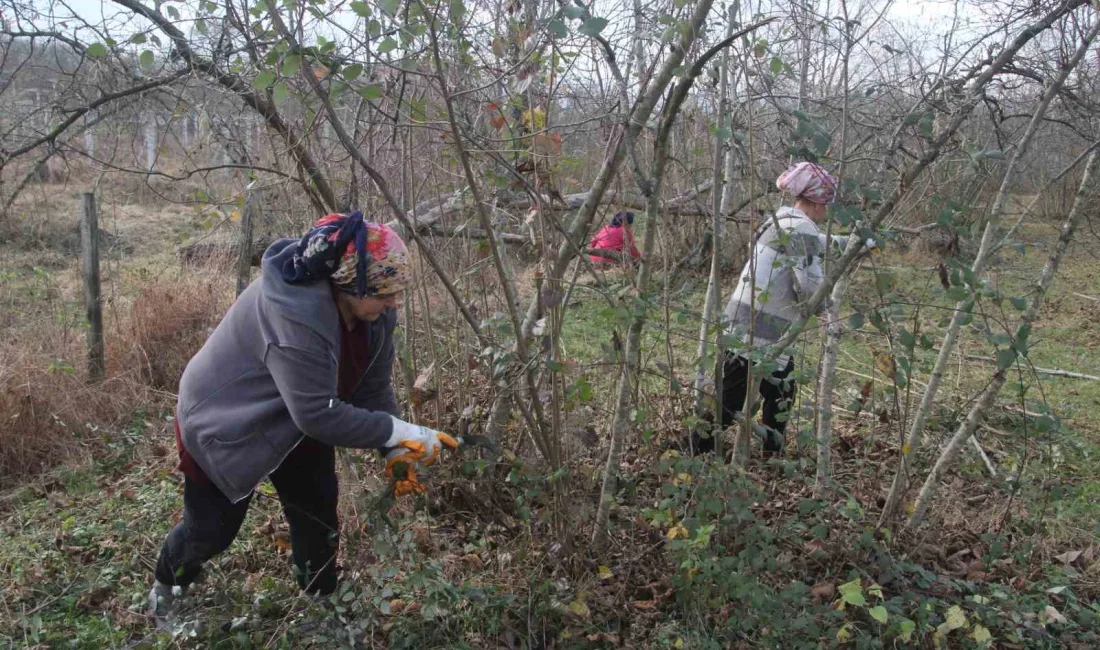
934,14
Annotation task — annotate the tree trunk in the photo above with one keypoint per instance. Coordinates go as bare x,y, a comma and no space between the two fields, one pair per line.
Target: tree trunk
711,306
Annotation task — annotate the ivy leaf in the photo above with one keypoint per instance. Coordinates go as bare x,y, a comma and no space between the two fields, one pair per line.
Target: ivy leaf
387,45
821,142
279,93
146,59
851,593
855,321
760,49
264,80
389,7
172,13
906,629
879,614
361,9
1019,303
957,293
137,39
1005,358
1043,424
200,25
372,92
291,64
776,65
593,26
352,72
97,49
557,28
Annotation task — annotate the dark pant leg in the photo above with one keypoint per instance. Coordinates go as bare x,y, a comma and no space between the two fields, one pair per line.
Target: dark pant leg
210,524
307,487
735,376
734,373
778,392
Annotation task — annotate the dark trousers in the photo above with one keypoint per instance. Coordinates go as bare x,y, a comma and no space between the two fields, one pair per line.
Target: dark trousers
777,392
306,483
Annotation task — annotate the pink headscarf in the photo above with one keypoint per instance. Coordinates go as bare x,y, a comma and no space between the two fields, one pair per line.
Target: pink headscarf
805,180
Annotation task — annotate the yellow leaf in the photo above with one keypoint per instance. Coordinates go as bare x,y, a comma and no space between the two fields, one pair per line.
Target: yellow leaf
677,531
606,573
535,118
905,449
844,634
579,608
956,618
679,642
981,634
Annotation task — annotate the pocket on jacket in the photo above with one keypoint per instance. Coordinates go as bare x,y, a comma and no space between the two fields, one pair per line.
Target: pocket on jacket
242,462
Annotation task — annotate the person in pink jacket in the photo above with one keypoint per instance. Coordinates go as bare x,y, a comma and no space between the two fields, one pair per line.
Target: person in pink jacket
613,237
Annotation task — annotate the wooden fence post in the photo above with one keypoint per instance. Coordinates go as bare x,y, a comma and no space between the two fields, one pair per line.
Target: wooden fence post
244,243
89,246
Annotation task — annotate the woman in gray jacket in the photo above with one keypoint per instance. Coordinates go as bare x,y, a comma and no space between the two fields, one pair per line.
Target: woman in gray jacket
299,365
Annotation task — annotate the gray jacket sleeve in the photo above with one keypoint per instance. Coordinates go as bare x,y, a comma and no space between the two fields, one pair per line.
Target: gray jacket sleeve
307,384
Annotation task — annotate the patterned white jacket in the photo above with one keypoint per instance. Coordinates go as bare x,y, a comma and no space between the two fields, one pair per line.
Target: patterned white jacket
788,255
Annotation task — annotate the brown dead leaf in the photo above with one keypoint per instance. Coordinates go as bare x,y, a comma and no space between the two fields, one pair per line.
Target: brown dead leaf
884,363
396,606
824,591
423,390
1069,557
282,540
645,605
472,561
588,436
1051,615
547,143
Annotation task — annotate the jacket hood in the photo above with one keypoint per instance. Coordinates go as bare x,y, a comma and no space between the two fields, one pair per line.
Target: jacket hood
310,304
790,212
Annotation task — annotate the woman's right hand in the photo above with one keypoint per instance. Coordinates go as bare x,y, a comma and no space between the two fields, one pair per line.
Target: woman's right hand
418,444
409,447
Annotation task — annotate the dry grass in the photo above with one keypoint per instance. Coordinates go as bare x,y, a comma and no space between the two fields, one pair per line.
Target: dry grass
52,414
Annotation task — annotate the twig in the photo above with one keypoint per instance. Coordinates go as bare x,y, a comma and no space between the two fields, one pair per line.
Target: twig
1056,372
985,459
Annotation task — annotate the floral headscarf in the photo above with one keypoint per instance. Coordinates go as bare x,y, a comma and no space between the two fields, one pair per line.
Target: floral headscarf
360,257
806,180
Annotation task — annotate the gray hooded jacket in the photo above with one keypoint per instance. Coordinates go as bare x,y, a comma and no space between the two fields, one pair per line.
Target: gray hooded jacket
268,375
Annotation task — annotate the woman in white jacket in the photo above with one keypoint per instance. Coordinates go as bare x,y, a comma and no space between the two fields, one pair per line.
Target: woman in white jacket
785,271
